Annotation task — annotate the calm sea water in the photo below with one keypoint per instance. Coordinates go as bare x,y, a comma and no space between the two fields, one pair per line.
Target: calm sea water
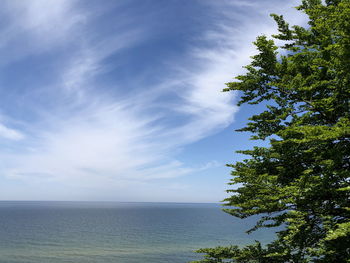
83,232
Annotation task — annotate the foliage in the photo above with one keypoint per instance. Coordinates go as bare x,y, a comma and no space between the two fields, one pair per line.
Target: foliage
301,181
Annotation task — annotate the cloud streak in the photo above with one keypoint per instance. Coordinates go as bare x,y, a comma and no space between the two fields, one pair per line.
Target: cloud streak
9,133
97,136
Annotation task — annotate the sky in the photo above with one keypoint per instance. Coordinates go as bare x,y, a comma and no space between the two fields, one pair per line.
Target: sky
121,100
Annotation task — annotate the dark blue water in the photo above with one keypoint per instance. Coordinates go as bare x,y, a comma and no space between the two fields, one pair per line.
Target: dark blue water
82,232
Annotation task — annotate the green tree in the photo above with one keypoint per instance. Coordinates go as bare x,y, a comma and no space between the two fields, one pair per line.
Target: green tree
302,180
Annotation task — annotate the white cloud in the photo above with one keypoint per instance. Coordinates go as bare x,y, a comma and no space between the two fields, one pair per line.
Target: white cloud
36,26
49,21
9,133
87,63
101,141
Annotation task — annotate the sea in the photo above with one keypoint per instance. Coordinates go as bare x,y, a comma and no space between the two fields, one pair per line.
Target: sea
106,232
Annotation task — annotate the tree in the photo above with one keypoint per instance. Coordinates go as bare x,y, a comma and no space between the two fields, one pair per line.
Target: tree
301,182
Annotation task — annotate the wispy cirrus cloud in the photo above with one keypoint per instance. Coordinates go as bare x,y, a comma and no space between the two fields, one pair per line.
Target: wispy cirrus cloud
36,26
9,133
114,135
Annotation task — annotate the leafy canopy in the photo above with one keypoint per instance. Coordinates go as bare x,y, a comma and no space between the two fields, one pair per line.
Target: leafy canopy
302,181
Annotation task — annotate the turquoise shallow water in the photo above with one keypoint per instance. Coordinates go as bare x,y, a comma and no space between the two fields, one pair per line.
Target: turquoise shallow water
106,232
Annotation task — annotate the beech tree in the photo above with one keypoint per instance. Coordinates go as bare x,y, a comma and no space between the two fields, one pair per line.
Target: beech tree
301,182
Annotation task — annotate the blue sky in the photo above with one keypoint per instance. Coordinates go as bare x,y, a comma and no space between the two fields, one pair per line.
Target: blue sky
121,100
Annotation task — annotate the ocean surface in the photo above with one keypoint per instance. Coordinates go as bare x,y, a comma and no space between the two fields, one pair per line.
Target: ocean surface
106,232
